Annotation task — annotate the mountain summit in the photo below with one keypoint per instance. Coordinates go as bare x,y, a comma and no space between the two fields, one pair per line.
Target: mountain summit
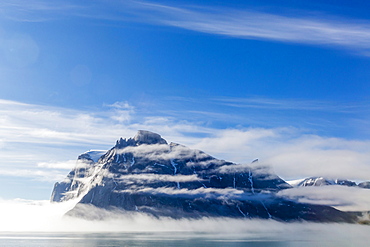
142,137
147,137
146,174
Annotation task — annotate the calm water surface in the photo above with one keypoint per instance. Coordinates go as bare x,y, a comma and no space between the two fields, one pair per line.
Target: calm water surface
163,239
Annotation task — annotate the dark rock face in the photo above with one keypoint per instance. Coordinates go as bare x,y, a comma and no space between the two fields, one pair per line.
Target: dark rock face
147,175
365,185
345,182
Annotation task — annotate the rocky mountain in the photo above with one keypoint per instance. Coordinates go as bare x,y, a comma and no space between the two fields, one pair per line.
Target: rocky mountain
321,181
146,174
78,180
365,185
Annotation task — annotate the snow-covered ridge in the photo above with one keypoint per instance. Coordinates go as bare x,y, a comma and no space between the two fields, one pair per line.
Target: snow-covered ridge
148,175
95,154
322,181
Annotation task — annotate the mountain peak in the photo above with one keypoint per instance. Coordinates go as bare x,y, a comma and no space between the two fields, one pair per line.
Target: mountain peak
179,182
142,137
148,137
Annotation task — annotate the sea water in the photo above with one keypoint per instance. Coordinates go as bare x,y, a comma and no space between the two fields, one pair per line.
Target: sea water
179,239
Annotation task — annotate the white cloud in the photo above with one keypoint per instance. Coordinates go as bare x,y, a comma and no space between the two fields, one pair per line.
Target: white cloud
122,111
162,151
35,174
238,145
248,24
29,215
40,138
199,192
292,104
157,177
291,153
302,27
341,197
121,105
69,164
38,10
29,219
40,124
122,116
311,155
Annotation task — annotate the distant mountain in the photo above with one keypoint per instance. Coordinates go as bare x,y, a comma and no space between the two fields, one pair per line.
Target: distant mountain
146,174
365,185
321,181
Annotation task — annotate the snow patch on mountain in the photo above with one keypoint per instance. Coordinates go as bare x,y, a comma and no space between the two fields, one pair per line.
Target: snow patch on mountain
145,174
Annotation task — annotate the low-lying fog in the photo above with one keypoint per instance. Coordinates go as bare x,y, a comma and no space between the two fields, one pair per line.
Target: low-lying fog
42,216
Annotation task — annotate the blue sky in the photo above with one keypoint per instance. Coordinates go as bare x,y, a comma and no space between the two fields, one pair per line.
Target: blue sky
284,81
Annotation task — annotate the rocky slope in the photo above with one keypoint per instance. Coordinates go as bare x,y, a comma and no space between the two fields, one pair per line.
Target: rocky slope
148,175
322,181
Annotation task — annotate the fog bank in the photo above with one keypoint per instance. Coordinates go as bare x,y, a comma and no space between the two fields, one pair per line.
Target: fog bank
42,216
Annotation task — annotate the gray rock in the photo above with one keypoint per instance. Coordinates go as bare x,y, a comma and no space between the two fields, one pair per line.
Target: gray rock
321,181
365,185
146,174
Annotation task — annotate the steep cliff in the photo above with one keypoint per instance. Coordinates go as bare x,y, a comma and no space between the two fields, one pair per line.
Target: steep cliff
148,175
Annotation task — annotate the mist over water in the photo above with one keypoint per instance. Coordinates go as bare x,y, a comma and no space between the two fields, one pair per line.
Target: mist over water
162,239
41,223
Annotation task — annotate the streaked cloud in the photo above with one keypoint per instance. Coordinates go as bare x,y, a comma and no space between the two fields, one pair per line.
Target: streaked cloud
300,27
303,27
140,178
293,104
341,197
68,165
200,192
292,153
40,142
37,219
38,10
162,152
45,141
35,174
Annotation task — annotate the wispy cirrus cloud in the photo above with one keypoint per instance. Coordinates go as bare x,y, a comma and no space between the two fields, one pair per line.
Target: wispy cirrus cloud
293,104
318,116
302,27
68,165
41,142
35,11
35,174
